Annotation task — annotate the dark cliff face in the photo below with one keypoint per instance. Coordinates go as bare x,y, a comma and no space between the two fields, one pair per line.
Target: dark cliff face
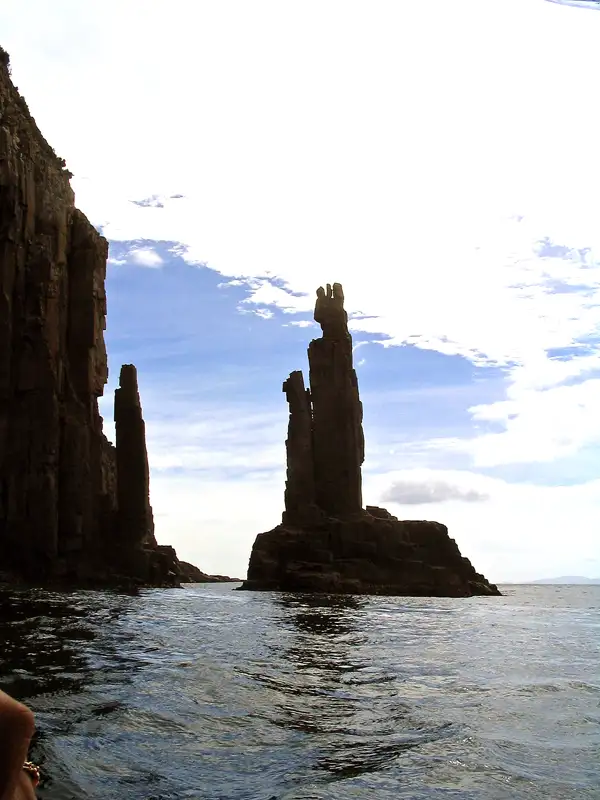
325,444
300,490
327,542
338,443
56,467
66,512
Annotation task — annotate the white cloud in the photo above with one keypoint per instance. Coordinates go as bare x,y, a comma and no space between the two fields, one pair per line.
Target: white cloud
418,489
263,292
520,533
225,439
539,425
263,313
145,257
191,434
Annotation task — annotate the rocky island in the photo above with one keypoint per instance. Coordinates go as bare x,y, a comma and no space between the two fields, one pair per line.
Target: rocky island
327,542
73,508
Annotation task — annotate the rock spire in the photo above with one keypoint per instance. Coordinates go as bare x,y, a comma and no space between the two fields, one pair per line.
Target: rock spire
327,542
325,445
135,522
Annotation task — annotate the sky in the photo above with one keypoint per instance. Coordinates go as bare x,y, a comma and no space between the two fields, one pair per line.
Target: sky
439,159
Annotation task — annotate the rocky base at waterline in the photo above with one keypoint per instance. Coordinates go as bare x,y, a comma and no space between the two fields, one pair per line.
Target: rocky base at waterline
163,570
156,567
371,553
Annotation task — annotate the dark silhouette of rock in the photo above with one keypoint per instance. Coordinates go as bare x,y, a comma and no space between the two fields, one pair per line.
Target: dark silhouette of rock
338,442
188,573
134,513
72,507
327,542
300,498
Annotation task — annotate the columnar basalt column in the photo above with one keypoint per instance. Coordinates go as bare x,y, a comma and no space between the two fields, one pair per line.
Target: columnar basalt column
338,441
300,500
134,514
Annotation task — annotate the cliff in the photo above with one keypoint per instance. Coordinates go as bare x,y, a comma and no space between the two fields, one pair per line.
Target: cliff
73,508
327,542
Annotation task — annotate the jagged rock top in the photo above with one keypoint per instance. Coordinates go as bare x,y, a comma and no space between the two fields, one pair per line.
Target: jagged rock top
330,312
128,385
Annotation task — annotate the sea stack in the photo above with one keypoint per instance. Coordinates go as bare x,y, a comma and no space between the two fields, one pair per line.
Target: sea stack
327,542
73,508
134,512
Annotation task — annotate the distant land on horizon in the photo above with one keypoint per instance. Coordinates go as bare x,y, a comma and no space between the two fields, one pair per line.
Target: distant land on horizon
563,579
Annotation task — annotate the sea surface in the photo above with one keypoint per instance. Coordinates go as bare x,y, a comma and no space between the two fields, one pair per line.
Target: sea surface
206,692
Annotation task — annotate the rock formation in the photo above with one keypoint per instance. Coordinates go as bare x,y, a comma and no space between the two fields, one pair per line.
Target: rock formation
327,542
338,443
72,507
134,513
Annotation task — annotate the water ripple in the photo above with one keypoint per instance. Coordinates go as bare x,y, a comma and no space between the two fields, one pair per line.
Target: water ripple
221,695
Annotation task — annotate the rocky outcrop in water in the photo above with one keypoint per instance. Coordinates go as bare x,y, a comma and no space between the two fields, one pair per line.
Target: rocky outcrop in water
188,573
72,507
327,542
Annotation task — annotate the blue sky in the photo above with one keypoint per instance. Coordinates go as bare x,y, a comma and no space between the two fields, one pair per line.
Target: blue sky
238,155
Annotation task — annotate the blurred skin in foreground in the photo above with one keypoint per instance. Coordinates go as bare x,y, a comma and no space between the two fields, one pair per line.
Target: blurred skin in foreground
16,729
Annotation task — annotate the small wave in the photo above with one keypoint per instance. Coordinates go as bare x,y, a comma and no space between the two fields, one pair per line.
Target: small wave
182,694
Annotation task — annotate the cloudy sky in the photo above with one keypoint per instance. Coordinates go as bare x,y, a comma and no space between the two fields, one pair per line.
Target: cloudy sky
440,159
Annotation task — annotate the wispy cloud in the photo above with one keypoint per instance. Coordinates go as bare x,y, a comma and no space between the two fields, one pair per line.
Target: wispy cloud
539,425
263,313
521,531
145,257
418,493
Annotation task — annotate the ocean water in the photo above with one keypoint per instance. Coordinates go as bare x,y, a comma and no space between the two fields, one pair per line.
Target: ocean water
206,692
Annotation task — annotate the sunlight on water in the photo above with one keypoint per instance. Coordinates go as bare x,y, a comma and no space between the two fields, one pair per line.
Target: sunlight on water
210,693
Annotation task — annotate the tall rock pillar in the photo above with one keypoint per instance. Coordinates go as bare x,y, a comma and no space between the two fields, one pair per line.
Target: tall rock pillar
300,498
60,518
134,513
338,441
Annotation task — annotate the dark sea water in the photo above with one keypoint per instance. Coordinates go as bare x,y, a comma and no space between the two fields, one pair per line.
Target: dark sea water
206,692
